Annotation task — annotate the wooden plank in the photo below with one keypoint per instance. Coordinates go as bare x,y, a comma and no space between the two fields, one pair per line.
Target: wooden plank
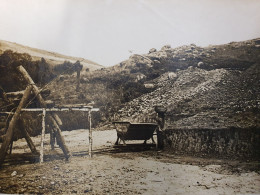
9,134
43,135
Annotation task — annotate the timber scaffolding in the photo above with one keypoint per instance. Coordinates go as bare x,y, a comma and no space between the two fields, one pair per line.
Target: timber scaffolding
55,131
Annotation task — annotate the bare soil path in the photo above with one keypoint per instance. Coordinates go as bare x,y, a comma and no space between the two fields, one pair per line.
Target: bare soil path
122,171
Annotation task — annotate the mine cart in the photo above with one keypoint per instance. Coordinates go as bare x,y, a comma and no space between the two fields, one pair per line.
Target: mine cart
135,131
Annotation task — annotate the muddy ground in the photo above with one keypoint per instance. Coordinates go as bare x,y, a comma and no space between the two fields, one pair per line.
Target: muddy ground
131,170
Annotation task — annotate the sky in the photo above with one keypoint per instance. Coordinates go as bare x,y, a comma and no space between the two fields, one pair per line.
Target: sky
109,31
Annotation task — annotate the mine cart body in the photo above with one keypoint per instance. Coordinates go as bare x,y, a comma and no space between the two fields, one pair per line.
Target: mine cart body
134,131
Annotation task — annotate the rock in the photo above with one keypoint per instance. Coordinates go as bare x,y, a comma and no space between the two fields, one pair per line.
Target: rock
156,62
152,50
52,183
165,47
88,188
14,173
171,75
56,168
200,64
149,86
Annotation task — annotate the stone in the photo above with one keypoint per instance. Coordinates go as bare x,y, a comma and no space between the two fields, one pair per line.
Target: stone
165,47
152,50
56,168
14,173
200,64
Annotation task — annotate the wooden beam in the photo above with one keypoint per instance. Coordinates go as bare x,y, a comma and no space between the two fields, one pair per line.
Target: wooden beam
60,109
57,119
9,134
44,92
15,94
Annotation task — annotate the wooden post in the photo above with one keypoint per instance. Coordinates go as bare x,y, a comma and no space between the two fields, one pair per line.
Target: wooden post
90,135
43,135
43,105
9,133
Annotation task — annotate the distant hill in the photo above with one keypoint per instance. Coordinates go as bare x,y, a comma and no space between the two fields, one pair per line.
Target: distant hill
52,58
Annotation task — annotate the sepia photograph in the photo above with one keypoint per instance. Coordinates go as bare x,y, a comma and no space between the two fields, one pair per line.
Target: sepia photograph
153,97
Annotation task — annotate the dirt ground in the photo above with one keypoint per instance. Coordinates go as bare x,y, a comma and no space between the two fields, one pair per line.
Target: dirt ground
123,170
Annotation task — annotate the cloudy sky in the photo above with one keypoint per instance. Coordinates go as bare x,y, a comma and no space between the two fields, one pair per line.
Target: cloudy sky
106,31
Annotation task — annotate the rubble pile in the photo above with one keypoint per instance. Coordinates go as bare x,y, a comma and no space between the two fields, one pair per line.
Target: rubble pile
199,98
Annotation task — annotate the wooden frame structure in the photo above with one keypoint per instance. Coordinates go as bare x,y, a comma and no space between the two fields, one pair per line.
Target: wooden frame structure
55,131
44,111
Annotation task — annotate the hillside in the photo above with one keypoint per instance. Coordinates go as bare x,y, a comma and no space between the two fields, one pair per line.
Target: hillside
52,58
191,81
212,87
201,87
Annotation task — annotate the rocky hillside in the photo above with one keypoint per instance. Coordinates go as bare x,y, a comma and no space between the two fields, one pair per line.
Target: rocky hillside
211,87
197,98
215,86
52,58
